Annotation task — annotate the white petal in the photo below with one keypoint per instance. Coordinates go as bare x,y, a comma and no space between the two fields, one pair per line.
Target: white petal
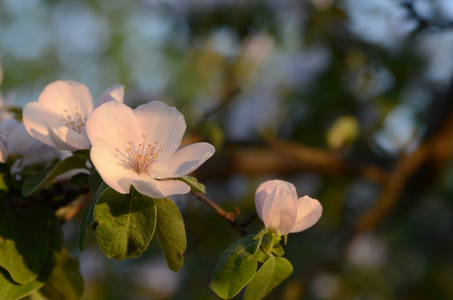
182,162
60,95
276,206
308,213
33,151
110,166
36,116
157,189
115,92
68,139
115,123
162,124
3,154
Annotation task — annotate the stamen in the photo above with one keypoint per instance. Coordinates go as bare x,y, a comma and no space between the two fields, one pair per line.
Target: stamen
73,120
140,159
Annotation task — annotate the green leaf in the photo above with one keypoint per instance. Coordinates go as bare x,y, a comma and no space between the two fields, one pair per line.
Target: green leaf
195,186
97,187
12,290
278,250
9,289
260,256
24,238
171,233
126,223
236,267
44,177
271,274
65,282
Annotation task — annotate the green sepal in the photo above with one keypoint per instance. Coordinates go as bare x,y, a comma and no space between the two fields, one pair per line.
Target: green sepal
260,256
44,177
236,267
271,274
125,223
171,233
278,250
97,187
195,186
260,234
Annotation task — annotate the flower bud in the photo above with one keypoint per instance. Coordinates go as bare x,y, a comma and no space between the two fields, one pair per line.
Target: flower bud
281,211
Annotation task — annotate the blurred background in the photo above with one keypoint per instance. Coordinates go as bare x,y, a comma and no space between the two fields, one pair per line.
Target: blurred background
352,101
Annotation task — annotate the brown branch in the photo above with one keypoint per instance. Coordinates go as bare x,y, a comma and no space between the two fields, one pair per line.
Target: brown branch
229,216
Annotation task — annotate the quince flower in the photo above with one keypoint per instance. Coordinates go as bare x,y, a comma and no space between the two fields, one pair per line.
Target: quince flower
139,147
59,116
281,211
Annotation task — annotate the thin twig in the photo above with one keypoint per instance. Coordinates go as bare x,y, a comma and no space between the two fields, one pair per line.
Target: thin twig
229,216
226,215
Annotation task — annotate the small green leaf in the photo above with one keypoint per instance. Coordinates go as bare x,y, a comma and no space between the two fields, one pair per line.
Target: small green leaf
278,250
24,237
65,282
195,186
171,233
236,267
260,256
271,274
97,187
126,223
44,177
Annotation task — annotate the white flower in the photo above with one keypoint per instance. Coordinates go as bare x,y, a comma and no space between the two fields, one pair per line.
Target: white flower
278,207
59,116
139,147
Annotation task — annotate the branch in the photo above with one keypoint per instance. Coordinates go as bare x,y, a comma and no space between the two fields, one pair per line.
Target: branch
229,216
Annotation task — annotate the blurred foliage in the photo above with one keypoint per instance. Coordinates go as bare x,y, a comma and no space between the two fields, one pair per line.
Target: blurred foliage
247,73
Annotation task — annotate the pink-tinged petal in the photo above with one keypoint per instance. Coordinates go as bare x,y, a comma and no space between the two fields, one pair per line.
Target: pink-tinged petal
276,206
157,189
68,139
115,123
114,93
262,196
282,213
110,166
182,162
36,116
3,154
61,95
32,150
162,124
309,211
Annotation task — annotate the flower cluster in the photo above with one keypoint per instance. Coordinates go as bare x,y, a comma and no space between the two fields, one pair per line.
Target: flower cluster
128,147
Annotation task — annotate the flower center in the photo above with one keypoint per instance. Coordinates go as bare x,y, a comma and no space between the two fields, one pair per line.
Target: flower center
74,119
143,156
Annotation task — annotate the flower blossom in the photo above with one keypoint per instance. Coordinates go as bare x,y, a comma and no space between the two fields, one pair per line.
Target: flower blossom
281,211
59,116
140,148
